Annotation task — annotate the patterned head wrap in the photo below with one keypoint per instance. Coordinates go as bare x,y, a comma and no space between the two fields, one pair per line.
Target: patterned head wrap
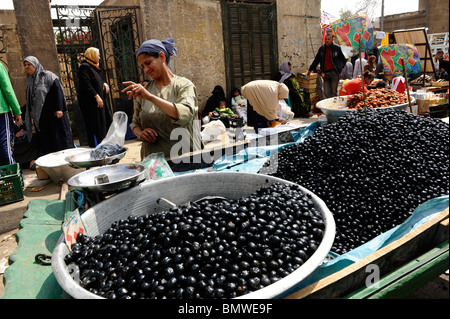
166,46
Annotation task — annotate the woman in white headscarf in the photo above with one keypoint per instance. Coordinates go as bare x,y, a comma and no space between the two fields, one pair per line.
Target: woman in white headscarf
263,97
165,110
46,109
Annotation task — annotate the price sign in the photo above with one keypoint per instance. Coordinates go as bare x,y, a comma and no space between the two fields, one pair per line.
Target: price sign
72,227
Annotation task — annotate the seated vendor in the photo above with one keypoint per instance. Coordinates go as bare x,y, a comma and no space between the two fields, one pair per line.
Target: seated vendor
355,86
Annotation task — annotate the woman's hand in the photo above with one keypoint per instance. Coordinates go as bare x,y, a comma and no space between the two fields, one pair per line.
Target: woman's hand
106,88
148,135
18,119
135,90
99,101
20,133
59,114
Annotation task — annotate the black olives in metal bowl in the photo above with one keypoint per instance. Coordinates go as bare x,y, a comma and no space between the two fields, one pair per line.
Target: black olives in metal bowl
256,245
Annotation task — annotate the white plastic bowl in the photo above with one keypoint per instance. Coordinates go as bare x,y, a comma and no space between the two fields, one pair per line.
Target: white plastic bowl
143,198
56,166
335,107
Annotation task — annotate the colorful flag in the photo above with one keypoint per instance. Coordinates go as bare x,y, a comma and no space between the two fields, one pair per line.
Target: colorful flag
355,32
393,54
326,19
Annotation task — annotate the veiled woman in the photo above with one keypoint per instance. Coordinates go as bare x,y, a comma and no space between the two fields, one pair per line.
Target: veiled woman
46,109
92,92
299,97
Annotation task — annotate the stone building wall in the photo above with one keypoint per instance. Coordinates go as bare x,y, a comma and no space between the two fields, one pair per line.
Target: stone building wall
438,15
298,32
13,59
433,14
197,27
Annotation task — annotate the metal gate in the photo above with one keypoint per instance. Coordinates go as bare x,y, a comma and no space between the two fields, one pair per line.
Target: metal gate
115,32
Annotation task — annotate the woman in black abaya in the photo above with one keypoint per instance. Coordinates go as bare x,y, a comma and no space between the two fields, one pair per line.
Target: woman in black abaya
218,94
92,92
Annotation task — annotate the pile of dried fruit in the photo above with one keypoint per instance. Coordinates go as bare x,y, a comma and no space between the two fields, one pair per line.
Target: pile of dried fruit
208,249
376,98
371,172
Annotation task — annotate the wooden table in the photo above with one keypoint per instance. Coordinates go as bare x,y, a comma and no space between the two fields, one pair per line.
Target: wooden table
437,89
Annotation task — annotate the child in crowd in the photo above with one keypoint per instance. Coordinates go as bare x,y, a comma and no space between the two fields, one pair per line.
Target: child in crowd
238,100
222,111
239,104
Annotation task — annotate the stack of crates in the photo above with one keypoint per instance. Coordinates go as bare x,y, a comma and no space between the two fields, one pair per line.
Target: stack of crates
11,184
309,83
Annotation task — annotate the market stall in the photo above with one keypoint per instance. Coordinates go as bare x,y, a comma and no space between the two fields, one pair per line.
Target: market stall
418,220
299,213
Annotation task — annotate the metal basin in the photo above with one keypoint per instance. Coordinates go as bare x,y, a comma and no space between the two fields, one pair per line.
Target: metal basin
143,199
56,165
85,160
108,178
335,107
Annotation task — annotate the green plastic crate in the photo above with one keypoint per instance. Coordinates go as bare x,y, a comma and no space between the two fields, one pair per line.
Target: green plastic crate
11,184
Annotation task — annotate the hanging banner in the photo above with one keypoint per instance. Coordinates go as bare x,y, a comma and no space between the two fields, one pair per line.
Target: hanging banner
392,55
355,33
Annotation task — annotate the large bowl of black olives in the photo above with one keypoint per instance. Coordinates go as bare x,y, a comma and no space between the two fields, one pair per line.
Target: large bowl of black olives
215,235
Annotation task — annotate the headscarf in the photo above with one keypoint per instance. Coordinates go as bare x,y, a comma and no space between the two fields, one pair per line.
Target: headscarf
285,72
38,85
91,56
218,94
264,95
166,46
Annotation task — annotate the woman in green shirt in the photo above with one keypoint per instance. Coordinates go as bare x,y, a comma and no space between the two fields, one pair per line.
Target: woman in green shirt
165,110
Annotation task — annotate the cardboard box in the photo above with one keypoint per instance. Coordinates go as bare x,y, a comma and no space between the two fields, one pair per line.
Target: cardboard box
41,174
423,106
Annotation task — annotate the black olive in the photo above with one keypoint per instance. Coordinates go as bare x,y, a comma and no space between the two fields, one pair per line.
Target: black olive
219,249
370,170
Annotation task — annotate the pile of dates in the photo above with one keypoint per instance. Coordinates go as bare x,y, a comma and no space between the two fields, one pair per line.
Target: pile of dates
371,169
375,98
214,248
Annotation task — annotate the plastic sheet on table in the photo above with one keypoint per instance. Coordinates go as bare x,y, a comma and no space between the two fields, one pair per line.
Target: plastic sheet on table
421,215
252,159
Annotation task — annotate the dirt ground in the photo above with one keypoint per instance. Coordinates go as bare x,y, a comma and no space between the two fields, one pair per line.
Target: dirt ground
8,244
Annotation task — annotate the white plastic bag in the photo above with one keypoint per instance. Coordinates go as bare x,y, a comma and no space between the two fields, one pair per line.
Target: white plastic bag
113,143
212,130
284,111
156,167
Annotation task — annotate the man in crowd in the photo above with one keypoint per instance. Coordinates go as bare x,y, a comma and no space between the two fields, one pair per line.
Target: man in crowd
332,61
